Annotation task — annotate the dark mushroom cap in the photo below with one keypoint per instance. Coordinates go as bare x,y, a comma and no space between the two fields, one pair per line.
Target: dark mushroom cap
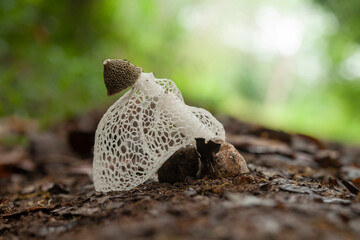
119,74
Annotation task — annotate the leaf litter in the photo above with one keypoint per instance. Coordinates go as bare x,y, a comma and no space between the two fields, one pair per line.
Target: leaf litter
298,187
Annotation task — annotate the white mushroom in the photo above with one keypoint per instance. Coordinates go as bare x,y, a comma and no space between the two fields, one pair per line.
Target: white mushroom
145,127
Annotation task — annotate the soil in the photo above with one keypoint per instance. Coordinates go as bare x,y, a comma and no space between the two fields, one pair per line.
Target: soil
298,187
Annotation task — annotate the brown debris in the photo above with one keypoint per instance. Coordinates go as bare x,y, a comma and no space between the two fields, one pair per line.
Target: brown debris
220,159
328,158
312,193
16,160
260,145
350,187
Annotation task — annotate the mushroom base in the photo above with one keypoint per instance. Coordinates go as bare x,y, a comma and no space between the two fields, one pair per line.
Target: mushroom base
182,164
211,159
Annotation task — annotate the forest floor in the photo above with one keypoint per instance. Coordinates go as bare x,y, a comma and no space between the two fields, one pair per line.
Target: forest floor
299,188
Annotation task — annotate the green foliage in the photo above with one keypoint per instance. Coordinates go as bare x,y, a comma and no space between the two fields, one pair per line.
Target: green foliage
12,140
51,54
51,51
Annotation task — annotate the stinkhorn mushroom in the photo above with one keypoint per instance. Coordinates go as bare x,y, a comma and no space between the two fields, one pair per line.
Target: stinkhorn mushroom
144,128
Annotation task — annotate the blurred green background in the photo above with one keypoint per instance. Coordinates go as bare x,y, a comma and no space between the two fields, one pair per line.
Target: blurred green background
292,65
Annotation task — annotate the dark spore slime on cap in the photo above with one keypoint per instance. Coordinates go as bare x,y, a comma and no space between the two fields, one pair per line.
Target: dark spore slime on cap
119,74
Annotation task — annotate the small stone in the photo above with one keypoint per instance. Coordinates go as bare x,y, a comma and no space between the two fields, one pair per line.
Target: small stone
189,192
